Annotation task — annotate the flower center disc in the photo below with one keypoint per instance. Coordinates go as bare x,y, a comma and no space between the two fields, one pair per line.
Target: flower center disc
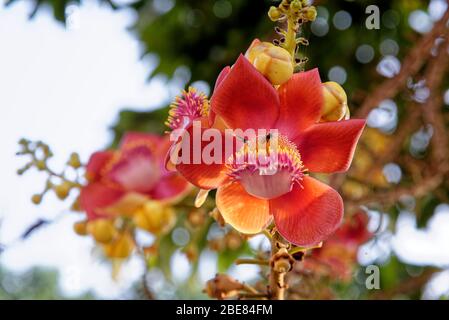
267,167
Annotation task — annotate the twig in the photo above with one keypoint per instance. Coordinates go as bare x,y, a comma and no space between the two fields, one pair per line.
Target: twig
432,108
252,261
411,64
388,197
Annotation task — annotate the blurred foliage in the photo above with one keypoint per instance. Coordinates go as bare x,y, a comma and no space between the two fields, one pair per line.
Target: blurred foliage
207,35
34,284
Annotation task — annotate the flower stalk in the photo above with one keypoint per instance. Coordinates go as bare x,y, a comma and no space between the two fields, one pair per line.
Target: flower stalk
295,13
281,262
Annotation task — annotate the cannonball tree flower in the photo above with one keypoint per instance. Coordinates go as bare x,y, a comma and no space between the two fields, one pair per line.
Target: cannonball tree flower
131,181
305,211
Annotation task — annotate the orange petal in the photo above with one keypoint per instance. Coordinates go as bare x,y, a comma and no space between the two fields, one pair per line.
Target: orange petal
309,214
244,212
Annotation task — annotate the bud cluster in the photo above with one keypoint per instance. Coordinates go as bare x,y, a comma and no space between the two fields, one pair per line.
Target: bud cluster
295,13
40,154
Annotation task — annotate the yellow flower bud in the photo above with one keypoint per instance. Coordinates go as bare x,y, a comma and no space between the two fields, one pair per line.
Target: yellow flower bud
275,63
196,218
102,230
191,253
120,248
335,102
311,13
40,165
296,5
36,199
62,190
154,217
81,228
74,160
274,13
233,240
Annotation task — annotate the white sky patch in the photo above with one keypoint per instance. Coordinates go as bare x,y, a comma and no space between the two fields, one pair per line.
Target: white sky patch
427,246
65,87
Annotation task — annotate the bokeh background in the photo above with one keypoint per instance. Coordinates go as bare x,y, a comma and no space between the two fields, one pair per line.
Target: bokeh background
78,74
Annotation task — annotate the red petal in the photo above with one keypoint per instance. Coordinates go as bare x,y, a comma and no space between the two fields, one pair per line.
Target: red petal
95,197
193,166
245,99
247,214
301,101
96,163
329,147
223,74
169,187
306,216
355,230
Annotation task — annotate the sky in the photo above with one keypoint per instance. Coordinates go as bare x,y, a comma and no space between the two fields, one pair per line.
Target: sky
66,86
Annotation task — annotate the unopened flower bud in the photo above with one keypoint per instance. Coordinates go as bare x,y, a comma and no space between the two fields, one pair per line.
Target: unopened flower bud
217,244
191,253
74,161
274,13
62,190
275,63
40,165
81,228
311,13
296,5
233,240
36,199
102,230
155,217
222,287
196,218
120,248
335,102
76,206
